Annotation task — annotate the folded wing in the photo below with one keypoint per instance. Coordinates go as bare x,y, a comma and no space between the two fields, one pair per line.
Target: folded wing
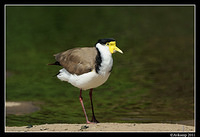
78,60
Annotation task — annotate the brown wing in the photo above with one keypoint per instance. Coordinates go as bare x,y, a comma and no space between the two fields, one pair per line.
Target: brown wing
78,60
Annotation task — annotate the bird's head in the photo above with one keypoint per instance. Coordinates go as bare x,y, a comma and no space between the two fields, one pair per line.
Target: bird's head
111,43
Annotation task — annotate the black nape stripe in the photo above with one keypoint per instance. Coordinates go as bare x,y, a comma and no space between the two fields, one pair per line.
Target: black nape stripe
98,61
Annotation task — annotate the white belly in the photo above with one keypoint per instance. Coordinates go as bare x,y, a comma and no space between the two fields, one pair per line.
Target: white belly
85,81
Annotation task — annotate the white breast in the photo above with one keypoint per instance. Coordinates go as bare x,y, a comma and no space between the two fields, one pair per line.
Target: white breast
85,81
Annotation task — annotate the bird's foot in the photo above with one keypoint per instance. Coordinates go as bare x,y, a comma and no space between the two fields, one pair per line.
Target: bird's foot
93,121
90,122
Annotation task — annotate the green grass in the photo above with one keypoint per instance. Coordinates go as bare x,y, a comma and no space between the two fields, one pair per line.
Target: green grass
151,82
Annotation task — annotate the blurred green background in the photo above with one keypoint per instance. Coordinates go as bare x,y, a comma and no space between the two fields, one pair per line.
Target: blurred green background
153,81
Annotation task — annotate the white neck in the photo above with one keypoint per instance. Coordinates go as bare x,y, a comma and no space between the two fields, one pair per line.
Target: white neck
107,60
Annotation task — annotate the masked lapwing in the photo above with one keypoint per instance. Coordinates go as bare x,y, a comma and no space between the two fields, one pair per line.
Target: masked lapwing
87,67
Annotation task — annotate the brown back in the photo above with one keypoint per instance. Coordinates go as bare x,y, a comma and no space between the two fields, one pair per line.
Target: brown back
78,60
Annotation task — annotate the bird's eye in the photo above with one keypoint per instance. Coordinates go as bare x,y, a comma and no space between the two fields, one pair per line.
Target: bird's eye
107,44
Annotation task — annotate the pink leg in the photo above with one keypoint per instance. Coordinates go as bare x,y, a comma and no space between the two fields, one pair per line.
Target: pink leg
81,100
93,116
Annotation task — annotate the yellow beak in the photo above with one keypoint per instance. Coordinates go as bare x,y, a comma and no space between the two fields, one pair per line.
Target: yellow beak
119,50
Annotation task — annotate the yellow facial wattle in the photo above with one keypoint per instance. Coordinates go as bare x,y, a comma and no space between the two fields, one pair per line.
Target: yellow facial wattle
112,47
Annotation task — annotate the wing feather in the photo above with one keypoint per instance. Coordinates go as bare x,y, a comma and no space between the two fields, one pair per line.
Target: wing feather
78,60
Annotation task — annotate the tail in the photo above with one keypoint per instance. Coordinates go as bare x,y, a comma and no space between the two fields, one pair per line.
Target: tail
55,63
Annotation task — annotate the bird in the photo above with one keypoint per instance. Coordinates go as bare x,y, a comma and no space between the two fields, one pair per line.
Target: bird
87,68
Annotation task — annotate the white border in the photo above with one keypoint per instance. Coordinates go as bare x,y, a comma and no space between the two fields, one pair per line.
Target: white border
101,5
195,67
